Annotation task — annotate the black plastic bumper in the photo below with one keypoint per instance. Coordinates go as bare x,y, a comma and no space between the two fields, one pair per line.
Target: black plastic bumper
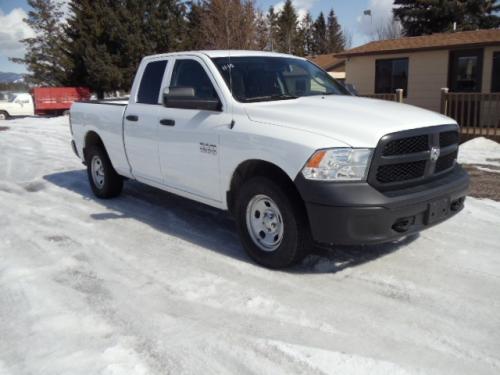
357,213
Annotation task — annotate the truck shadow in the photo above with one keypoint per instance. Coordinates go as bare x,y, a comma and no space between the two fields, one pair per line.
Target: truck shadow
206,226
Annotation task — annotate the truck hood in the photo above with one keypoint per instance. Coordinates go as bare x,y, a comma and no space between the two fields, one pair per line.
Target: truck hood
355,121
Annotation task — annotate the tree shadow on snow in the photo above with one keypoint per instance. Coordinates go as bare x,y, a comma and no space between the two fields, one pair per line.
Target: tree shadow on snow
205,226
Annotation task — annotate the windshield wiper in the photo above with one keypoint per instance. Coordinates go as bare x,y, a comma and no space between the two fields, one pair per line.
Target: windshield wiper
270,97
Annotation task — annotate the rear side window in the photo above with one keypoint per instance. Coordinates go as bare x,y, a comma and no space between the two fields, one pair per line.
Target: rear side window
149,90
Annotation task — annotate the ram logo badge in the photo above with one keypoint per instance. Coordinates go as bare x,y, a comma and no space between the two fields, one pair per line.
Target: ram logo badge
435,152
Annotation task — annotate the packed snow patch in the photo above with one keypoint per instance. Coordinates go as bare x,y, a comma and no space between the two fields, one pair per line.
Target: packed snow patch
480,151
149,283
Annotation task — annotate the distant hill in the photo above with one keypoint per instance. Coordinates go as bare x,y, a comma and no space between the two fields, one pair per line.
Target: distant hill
6,77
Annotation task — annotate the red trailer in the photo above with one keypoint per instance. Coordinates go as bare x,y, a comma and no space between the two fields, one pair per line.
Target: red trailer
57,100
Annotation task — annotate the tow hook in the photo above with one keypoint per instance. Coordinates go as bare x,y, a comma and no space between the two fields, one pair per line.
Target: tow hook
403,224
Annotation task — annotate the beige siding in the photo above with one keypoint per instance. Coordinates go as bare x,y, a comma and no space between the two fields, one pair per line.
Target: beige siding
428,73
488,64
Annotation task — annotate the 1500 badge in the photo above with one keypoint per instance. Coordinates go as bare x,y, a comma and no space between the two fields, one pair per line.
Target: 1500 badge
208,148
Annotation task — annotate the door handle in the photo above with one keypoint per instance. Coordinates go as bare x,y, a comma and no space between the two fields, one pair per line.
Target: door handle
167,122
132,118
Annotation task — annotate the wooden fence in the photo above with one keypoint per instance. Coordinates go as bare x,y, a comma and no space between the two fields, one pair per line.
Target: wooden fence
477,114
393,97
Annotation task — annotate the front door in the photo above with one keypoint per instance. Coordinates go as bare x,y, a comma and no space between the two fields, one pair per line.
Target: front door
141,123
189,138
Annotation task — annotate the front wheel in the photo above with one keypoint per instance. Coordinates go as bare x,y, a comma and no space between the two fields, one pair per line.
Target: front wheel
3,115
103,179
272,224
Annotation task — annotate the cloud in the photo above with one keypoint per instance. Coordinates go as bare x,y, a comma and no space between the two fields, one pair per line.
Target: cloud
13,30
301,7
381,13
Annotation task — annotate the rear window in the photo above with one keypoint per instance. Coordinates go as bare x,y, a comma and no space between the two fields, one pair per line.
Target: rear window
149,90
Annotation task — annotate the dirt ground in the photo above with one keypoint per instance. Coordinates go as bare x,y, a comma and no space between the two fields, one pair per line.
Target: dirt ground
484,182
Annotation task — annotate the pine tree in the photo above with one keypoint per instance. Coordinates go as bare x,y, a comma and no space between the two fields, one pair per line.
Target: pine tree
44,58
287,28
421,17
334,36
261,32
194,35
319,35
107,39
306,28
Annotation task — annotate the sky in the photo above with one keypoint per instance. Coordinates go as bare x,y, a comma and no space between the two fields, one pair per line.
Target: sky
349,14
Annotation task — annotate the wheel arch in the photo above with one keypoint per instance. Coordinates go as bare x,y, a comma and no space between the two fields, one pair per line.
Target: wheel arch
257,167
92,139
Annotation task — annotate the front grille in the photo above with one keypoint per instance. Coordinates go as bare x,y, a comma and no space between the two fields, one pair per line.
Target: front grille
406,158
400,172
445,162
448,138
407,145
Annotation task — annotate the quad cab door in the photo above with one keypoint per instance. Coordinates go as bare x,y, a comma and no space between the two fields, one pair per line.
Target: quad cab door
189,137
141,122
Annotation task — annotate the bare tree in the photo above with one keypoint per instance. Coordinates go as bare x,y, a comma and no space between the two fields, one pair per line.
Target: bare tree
229,24
347,38
387,29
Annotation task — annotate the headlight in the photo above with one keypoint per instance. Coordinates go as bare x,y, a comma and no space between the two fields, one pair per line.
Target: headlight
338,164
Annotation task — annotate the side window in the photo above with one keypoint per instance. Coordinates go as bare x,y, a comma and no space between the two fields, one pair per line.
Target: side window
190,73
149,90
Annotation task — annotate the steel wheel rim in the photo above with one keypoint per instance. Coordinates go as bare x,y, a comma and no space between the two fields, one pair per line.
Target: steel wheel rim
264,223
97,170
2,116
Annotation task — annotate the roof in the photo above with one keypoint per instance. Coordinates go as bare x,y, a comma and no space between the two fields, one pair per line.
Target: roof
223,53
328,61
427,42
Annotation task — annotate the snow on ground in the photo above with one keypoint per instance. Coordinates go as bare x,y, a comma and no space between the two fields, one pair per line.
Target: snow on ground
480,151
150,283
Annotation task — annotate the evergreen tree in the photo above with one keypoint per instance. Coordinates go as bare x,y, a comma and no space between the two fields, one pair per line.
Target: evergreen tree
320,45
306,29
194,35
421,17
261,31
287,28
334,36
44,58
107,39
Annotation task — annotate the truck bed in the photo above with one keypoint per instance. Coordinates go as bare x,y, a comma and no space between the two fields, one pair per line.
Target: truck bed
105,117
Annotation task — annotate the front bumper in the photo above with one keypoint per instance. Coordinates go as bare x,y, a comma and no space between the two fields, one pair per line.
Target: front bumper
356,213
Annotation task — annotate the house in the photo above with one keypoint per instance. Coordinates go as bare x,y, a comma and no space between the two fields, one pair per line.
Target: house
465,62
331,63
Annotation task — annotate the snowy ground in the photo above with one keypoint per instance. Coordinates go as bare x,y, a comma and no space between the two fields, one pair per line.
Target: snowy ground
154,284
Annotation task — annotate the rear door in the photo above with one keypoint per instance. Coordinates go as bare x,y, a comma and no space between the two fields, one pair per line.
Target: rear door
141,122
189,140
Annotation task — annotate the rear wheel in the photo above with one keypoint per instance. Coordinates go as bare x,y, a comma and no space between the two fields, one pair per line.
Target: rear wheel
272,225
3,115
103,179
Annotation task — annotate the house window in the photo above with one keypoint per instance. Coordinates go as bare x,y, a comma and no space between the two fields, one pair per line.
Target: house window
466,70
495,78
391,74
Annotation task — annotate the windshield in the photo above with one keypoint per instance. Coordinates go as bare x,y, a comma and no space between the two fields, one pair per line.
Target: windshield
258,78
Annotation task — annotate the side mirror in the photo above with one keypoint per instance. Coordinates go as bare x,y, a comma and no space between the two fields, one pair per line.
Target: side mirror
185,98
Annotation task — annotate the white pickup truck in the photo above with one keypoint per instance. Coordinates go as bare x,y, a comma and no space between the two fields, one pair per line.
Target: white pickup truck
278,143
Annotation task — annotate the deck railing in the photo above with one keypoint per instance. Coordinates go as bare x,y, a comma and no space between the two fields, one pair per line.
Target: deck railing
393,97
477,114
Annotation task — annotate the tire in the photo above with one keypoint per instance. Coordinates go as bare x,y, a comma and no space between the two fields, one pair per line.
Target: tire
103,179
255,211
4,115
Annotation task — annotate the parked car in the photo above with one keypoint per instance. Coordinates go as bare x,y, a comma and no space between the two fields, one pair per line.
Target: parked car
45,101
278,143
